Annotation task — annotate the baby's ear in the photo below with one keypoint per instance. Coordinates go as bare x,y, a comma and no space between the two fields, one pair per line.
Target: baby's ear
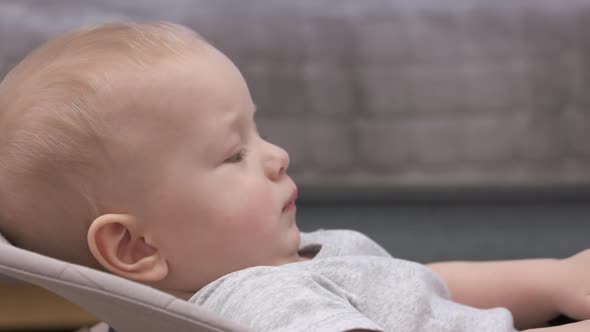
117,243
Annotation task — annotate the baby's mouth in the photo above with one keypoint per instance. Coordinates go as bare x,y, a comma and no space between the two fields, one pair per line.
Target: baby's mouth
291,202
289,206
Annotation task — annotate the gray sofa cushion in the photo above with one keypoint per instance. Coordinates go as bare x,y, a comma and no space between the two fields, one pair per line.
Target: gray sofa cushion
387,93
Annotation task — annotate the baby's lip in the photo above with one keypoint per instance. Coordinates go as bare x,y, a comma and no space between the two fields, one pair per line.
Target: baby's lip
291,199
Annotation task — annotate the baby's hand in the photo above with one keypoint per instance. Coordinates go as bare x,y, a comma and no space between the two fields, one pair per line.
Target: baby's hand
573,293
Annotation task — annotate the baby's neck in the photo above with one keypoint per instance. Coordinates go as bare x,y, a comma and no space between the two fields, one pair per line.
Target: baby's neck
186,295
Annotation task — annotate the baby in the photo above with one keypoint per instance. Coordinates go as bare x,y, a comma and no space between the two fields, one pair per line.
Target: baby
132,148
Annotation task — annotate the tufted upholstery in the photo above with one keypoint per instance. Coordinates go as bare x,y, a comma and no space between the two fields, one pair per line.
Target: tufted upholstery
383,93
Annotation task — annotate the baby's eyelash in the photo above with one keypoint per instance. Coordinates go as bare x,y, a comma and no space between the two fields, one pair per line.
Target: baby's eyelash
239,156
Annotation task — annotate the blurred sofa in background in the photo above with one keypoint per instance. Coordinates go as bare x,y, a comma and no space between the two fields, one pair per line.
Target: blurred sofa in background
455,129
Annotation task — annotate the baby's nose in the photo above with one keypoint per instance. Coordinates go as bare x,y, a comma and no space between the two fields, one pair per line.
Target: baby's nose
277,162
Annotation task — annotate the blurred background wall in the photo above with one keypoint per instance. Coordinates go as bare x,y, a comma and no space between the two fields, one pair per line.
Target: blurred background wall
445,130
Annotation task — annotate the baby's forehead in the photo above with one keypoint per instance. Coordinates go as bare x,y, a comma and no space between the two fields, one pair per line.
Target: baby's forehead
173,110
190,89
181,98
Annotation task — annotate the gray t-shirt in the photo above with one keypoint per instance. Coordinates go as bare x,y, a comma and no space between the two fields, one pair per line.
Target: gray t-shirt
351,283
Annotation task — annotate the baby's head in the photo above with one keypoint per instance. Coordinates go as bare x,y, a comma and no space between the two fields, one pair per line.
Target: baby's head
133,148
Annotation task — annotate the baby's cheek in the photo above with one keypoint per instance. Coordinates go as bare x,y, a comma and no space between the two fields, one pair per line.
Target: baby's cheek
258,213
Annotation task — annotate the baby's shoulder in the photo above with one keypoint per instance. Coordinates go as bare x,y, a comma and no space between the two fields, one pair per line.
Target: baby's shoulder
267,280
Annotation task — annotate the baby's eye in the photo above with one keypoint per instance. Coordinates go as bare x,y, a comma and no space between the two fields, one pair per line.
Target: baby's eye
236,158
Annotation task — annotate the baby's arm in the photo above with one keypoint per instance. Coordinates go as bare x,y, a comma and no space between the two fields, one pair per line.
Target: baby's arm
525,287
534,290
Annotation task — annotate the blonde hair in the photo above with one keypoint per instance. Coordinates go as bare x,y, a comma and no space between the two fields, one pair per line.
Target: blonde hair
52,134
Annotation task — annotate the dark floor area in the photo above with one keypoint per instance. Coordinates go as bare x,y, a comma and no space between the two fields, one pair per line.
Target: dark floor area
437,230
